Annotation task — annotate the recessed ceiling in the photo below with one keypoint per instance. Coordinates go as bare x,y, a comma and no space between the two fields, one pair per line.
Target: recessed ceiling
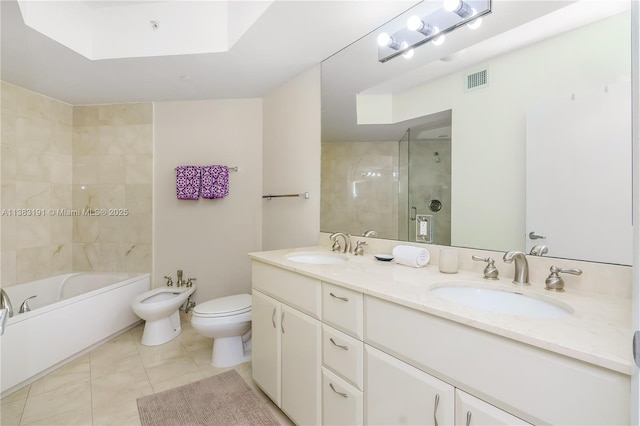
286,39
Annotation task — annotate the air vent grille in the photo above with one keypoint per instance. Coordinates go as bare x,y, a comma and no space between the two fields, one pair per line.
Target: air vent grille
477,80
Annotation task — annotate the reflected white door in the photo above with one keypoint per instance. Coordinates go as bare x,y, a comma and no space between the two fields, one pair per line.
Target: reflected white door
579,174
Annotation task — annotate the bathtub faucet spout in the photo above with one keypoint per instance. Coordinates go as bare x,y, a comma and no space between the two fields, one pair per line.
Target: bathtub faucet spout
25,306
5,302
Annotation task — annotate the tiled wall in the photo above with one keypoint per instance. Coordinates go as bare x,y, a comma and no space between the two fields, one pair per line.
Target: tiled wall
36,177
57,160
112,173
359,180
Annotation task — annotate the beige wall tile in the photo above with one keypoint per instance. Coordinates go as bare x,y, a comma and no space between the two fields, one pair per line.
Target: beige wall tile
85,116
85,141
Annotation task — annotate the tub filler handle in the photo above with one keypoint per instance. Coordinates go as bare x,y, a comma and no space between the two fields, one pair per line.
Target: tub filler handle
5,303
25,306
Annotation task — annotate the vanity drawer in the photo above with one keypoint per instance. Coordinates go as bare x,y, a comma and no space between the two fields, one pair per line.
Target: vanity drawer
344,355
342,309
342,404
296,290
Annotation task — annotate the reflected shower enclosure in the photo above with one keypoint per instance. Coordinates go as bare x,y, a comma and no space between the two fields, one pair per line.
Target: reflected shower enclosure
407,180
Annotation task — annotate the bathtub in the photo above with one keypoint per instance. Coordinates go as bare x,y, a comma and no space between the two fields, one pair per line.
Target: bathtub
72,314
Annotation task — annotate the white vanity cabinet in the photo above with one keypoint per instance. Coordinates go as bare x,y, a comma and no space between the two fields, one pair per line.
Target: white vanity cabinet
538,386
286,342
398,393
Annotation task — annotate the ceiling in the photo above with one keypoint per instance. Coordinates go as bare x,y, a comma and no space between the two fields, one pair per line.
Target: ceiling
287,39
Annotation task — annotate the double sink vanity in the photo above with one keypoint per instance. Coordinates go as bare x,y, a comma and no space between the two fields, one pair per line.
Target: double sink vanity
344,339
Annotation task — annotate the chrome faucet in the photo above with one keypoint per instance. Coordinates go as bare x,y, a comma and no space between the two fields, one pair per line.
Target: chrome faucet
25,306
554,281
336,244
370,233
179,283
359,250
521,275
5,302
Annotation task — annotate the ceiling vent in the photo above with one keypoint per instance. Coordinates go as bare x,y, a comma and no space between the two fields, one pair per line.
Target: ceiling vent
476,80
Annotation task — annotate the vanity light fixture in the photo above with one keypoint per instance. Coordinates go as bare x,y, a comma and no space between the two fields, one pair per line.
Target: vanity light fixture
427,24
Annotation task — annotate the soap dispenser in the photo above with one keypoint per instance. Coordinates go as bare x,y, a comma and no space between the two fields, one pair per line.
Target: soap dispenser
490,271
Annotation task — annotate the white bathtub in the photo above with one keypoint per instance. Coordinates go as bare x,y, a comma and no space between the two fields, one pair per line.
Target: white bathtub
71,314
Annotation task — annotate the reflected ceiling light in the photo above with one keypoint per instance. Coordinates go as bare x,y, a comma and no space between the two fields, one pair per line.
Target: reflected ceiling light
458,7
409,53
385,40
475,24
438,40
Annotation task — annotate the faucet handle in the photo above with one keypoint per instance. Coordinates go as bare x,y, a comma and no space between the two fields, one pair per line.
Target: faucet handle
554,281
336,245
490,271
190,281
169,281
359,250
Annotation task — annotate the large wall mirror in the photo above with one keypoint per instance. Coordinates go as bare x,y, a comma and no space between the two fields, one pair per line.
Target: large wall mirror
537,156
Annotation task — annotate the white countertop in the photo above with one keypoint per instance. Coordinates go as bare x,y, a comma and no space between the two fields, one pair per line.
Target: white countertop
598,332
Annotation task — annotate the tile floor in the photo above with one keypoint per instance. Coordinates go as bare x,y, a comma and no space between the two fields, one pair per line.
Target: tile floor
101,387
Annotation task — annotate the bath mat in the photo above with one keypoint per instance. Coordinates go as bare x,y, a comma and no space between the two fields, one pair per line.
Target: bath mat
223,399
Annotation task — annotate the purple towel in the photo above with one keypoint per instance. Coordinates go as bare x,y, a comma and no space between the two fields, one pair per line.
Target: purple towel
215,181
188,182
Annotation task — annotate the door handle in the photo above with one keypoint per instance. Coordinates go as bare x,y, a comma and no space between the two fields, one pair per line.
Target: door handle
534,236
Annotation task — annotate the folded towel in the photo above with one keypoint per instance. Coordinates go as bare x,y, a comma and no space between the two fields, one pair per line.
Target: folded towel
215,181
188,182
411,256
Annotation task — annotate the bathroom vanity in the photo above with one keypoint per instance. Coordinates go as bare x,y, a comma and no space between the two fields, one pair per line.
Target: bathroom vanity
361,341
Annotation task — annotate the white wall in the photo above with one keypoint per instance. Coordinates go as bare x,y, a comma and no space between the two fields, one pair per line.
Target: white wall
208,239
291,162
488,132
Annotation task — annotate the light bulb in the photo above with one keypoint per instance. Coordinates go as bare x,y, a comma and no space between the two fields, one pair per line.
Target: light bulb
458,7
451,5
414,23
385,40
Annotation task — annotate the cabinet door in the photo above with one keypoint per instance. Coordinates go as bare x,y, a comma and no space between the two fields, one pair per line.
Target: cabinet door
301,359
399,394
473,411
265,357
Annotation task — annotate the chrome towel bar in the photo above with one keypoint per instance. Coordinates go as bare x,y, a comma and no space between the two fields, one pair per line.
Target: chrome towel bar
270,196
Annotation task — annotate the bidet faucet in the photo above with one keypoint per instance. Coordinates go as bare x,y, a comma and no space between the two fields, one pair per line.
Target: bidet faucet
336,245
179,283
521,275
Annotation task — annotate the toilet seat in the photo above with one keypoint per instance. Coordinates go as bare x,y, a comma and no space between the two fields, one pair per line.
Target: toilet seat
224,306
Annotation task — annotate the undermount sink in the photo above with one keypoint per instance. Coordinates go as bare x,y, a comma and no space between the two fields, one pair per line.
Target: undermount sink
503,302
317,258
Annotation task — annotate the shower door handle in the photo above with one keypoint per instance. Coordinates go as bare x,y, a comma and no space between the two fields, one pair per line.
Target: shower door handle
414,212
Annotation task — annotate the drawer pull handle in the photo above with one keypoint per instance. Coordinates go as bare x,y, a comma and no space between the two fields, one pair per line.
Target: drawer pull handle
273,318
346,348
346,299
468,418
435,410
339,393
282,323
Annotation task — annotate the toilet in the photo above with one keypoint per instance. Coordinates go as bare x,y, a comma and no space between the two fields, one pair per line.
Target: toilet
159,308
228,321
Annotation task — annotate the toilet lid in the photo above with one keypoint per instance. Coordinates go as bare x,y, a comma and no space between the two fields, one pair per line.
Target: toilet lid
230,305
